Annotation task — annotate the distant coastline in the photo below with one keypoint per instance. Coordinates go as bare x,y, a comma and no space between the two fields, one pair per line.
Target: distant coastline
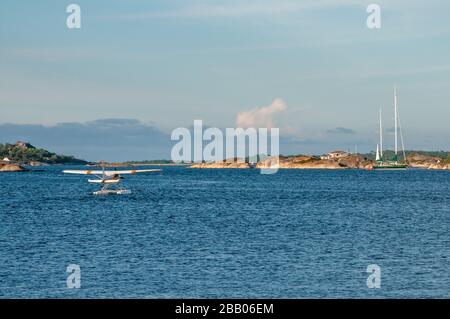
26,154
415,159
16,157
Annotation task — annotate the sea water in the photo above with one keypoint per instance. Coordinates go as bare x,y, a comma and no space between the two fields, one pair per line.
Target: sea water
218,233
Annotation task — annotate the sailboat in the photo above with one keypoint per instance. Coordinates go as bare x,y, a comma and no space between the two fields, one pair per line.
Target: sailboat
394,163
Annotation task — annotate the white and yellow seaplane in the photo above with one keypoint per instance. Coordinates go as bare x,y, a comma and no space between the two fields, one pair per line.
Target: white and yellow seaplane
109,178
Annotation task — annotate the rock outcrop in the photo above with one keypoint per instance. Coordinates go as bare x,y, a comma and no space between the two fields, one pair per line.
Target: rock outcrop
12,168
313,162
230,163
296,162
439,166
34,163
299,162
426,161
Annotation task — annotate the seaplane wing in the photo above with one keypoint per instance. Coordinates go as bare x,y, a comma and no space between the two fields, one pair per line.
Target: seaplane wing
131,171
86,172
109,179
110,173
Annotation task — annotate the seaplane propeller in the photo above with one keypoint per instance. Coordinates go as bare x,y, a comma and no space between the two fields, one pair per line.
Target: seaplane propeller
109,178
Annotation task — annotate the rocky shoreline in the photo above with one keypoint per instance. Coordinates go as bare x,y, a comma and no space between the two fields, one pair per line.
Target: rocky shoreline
427,162
12,168
350,161
295,162
313,162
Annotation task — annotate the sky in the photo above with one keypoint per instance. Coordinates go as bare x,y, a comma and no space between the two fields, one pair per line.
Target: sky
115,88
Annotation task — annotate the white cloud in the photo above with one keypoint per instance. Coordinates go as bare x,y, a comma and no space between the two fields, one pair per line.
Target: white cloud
260,117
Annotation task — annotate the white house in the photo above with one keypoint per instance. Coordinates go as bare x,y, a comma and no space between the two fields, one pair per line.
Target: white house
336,154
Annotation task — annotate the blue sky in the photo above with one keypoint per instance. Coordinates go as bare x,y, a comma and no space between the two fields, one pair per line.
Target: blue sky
162,64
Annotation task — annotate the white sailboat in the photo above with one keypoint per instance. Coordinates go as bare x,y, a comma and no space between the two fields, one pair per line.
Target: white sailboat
394,163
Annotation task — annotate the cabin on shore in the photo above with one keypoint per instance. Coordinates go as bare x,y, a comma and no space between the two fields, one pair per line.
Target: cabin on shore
335,154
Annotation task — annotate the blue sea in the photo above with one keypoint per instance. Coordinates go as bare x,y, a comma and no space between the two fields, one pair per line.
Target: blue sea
205,233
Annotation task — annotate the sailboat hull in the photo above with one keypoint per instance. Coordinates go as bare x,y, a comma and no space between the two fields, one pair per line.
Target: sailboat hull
379,167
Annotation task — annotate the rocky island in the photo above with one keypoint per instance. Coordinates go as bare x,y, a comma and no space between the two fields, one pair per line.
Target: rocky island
347,161
13,157
428,161
334,160
12,168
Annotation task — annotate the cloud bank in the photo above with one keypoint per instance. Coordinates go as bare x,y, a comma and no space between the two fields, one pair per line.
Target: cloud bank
260,117
104,139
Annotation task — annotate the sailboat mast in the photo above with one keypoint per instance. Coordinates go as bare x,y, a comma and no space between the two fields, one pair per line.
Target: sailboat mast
395,120
381,136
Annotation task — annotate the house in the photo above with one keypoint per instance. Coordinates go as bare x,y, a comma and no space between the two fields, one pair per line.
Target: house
5,161
21,144
335,154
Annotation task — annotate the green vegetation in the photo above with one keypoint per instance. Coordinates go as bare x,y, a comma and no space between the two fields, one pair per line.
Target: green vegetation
26,153
447,159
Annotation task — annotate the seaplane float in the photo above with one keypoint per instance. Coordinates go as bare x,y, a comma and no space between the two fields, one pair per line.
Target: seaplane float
109,179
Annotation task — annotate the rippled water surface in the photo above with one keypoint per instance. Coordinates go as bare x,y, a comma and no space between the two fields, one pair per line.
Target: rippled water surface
227,233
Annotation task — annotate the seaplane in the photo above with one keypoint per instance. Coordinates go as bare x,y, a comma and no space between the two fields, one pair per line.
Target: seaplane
109,179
